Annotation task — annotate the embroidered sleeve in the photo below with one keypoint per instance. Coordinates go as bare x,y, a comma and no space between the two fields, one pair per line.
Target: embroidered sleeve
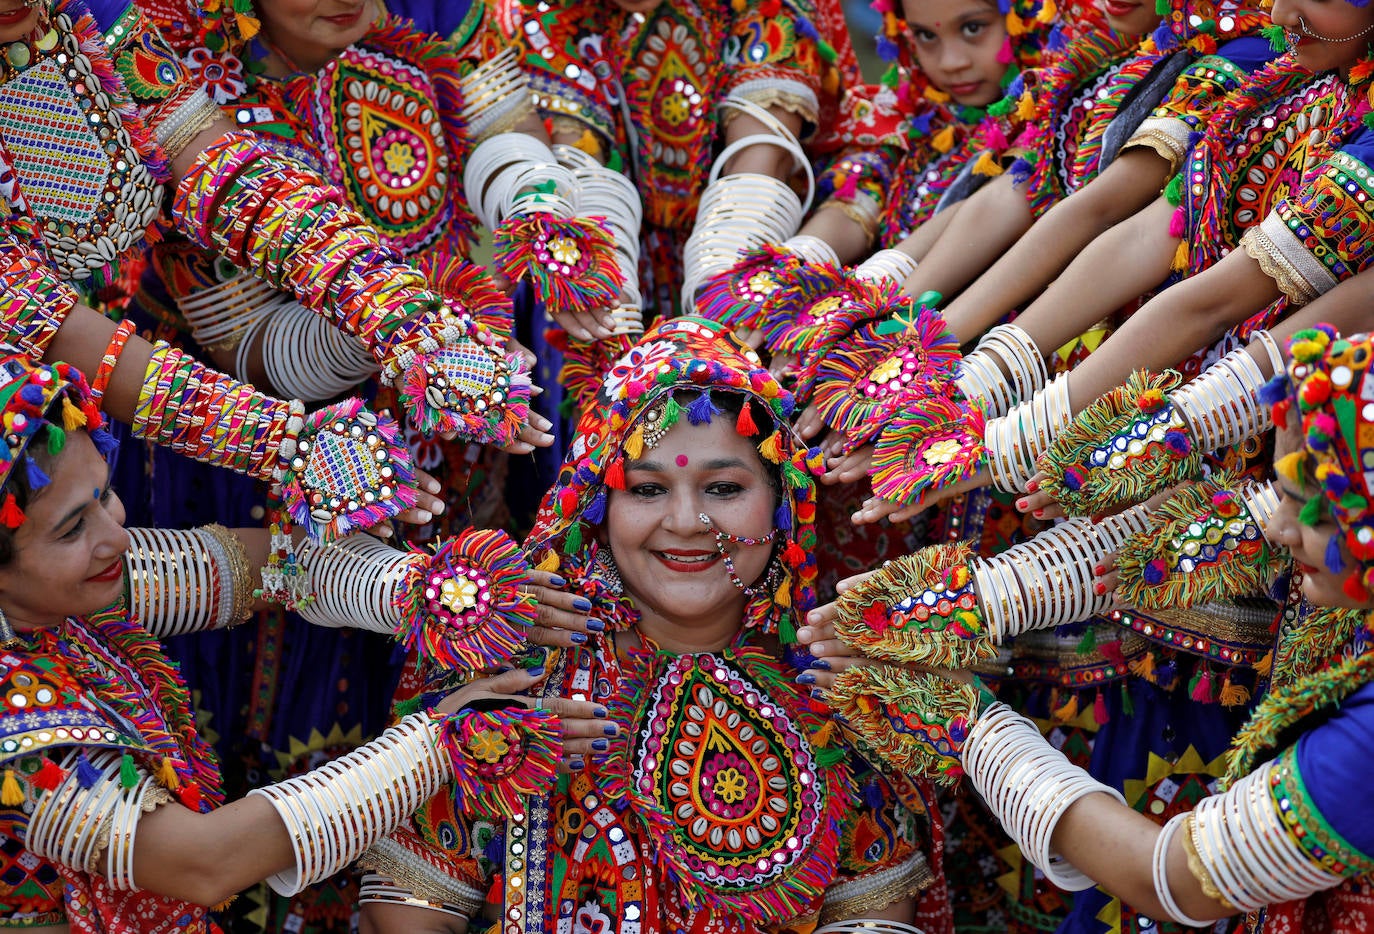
30,888
1169,129
775,60
1329,761
1314,831
562,48
1320,233
857,182
173,104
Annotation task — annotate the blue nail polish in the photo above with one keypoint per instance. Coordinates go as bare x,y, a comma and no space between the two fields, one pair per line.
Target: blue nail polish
557,581
817,694
535,672
600,745
806,677
599,712
596,625
578,638
576,765
582,603
611,730
822,664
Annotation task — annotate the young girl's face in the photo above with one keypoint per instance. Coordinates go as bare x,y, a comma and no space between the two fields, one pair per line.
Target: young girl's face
1329,34
959,47
1131,17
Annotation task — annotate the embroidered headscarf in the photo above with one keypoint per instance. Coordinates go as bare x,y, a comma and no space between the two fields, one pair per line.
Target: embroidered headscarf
1329,390
29,395
682,369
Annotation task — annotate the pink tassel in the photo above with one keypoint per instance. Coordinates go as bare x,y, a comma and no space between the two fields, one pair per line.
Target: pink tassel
1004,55
849,189
1176,223
1202,691
1100,710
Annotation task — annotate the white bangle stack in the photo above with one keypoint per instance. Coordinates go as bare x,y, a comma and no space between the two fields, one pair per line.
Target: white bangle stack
188,580
982,376
603,192
500,172
869,926
1241,842
1048,580
1262,500
376,889
1016,440
1159,871
886,265
334,813
222,316
811,249
356,582
305,356
496,95
1222,407
744,210
1028,785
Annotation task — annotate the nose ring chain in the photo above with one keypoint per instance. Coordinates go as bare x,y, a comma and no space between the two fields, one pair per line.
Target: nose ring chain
722,538
1307,31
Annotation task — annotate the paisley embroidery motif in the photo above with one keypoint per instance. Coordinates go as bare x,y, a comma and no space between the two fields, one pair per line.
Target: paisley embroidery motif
732,774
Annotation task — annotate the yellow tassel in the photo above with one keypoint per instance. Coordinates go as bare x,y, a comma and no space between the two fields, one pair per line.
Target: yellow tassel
935,94
72,417
986,165
634,445
783,595
1025,107
1048,11
588,143
1265,665
944,140
1015,25
1232,695
738,5
222,906
821,737
548,563
831,82
1180,262
11,795
1144,667
1068,711
248,25
166,775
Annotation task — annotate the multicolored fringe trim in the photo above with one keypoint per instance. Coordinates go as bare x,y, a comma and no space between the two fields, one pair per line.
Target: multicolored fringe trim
463,607
470,389
736,297
931,445
501,756
349,471
916,722
1204,547
585,365
569,261
862,381
920,609
470,286
1122,449
818,302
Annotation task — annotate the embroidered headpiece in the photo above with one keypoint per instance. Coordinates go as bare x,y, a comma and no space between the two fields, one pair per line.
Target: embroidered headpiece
1329,389
29,402
681,369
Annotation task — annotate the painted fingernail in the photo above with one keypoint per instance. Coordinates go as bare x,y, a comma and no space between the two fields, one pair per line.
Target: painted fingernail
1039,513
817,694
611,729
806,677
582,603
1099,588
822,664
535,672
558,581
1022,503
576,764
1099,569
599,712
596,625
600,745
578,638
1032,486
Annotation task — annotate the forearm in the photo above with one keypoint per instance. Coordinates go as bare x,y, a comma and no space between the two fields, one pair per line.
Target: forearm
1033,262
1349,308
1175,324
988,222
761,160
844,234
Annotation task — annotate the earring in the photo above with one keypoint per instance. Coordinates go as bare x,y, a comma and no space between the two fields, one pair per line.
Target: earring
8,639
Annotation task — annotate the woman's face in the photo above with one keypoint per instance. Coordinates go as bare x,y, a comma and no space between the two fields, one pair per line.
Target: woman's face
68,554
312,32
1311,23
667,556
958,44
1307,543
17,20
1131,17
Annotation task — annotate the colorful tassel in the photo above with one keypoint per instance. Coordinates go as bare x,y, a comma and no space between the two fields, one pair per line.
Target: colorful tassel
570,262
501,756
11,795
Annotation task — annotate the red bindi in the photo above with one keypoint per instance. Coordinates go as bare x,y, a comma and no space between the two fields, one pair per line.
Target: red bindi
682,460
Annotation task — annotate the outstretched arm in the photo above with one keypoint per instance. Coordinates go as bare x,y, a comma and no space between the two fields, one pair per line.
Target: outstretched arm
1127,187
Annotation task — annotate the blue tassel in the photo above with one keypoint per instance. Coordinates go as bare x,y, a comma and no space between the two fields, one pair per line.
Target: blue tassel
701,409
782,518
104,442
1276,390
1195,137
873,794
1164,37
596,509
921,124
1020,172
32,394
1004,7
86,774
1334,562
887,49
495,850
1016,88
1166,672
805,28
37,478
1057,41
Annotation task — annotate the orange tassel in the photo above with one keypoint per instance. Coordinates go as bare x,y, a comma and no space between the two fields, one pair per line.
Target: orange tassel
944,140
167,775
1266,664
1068,711
1180,262
986,165
1144,667
1233,695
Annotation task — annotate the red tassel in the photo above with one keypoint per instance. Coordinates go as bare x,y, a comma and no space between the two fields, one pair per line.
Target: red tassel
10,513
1202,691
1100,710
615,475
745,425
49,776
1355,589
794,555
190,796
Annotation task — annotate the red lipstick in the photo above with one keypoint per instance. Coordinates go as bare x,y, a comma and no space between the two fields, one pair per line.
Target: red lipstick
687,561
111,573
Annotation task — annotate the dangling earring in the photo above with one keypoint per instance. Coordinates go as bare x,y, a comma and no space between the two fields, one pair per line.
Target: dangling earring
8,639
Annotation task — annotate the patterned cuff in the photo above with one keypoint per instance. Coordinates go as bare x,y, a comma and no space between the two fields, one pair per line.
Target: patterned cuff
1167,136
1284,258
